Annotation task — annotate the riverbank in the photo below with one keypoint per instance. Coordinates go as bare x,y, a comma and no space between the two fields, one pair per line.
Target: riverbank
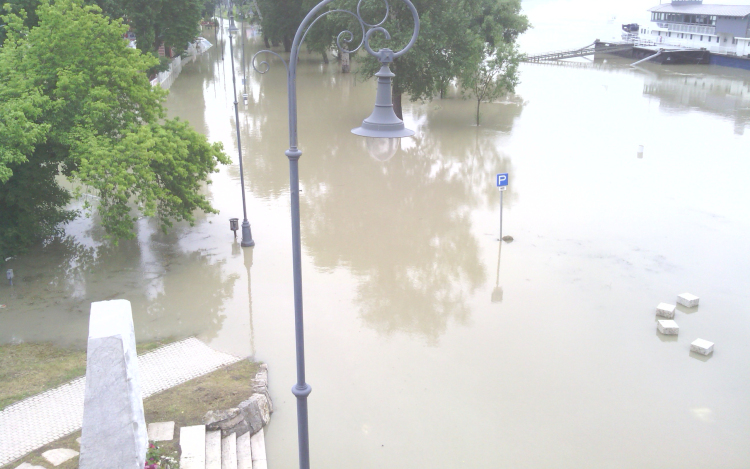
27,369
185,405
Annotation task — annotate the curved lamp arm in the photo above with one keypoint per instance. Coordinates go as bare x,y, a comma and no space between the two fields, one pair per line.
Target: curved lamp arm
384,56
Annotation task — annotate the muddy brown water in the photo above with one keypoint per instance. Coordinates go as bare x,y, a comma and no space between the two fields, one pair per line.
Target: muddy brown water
428,343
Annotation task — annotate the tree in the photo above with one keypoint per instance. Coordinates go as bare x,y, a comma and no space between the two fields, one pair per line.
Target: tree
452,39
173,23
74,102
281,18
494,76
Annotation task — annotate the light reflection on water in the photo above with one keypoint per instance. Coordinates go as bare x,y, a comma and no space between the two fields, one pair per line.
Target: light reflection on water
413,358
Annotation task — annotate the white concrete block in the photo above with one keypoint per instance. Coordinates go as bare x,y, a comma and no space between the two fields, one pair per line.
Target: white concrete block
114,429
701,346
193,447
258,445
213,449
665,310
686,299
244,452
229,452
59,455
161,431
668,327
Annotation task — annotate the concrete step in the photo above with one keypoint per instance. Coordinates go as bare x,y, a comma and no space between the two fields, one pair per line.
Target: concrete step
213,450
229,452
203,449
193,447
258,447
244,452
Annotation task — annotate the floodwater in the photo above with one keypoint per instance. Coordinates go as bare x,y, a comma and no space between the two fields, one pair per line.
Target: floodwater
430,344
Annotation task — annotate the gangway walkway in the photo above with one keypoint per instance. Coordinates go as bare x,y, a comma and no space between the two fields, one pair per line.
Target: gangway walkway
591,49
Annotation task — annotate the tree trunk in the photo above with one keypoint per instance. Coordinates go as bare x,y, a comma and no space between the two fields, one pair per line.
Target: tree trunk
345,67
397,105
479,102
325,57
268,44
287,44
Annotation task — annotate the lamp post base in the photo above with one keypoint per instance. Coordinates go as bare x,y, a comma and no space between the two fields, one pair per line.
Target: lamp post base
247,236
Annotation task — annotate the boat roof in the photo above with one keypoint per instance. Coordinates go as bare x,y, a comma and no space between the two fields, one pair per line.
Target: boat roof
697,9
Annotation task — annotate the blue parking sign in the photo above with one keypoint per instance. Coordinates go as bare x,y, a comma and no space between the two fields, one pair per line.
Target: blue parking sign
502,179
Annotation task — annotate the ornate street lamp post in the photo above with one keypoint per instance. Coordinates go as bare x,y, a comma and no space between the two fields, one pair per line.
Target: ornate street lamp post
247,235
382,123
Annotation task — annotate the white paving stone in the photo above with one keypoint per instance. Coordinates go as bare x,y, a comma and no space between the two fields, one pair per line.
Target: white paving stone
213,449
258,448
229,452
665,310
668,327
244,452
161,431
193,447
39,420
29,466
687,299
59,455
701,346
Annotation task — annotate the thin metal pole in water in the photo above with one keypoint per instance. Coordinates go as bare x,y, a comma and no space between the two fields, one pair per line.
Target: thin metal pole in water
501,217
247,235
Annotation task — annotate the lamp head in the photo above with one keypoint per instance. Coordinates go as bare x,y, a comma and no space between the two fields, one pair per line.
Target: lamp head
232,27
383,122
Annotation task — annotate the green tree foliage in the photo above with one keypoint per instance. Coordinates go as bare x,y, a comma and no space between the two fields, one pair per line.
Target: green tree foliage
452,40
281,18
74,102
171,22
494,76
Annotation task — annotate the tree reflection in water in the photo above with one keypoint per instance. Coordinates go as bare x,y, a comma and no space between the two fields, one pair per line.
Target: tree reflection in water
52,299
406,231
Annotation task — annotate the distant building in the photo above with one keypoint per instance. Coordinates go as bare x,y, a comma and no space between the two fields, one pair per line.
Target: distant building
689,23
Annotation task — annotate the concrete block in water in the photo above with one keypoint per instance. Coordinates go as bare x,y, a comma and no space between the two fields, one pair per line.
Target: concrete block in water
114,429
667,327
686,299
665,310
701,346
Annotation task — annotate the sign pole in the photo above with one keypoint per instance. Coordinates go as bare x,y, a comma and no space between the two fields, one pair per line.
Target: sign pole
501,217
502,185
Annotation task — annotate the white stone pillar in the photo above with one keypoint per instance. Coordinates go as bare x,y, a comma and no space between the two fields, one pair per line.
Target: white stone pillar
114,429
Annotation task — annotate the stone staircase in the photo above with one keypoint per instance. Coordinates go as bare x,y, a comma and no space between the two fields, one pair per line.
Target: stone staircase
205,449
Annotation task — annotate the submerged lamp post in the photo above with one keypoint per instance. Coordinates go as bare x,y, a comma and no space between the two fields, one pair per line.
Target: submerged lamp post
247,236
382,124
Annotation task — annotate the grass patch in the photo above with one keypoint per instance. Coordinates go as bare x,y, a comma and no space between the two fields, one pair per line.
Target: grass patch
27,369
185,404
